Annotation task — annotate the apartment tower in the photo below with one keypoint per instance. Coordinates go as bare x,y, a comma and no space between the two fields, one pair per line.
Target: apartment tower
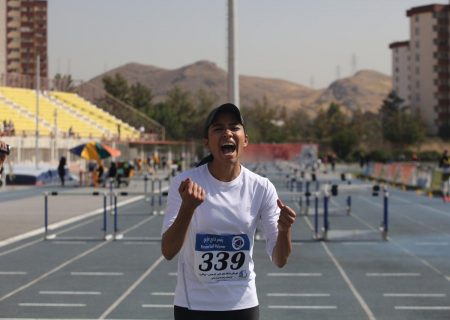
23,37
420,66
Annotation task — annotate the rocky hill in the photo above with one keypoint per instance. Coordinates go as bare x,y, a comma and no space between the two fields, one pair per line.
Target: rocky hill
365,90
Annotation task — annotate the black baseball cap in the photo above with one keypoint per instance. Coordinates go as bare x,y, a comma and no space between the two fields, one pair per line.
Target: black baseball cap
224,108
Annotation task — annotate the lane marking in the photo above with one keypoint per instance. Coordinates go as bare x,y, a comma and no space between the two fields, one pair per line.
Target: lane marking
163,293
276,294
413,295
68,242
71,292
432,243
392,274
344,275
57,305
45,275
19,247
113,306
287,274
302,307
96,273
355,292
173,274
12,273
157,306
432,308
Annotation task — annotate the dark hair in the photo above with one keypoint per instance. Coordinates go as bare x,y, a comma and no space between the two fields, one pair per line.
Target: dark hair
206,159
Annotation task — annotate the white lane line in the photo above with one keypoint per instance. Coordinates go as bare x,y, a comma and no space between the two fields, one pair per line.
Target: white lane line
68,242
71,292
347,280
448,278
96,273
45,275
131,288
287,274
432,243
302,307
413,295
362,243
163,293
157,306
392,274
424,308
173,274
12,273
280,294
428,208
57,305
139,243
344,275
19,247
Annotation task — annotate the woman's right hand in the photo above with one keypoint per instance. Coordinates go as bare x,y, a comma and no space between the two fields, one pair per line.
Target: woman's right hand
191,194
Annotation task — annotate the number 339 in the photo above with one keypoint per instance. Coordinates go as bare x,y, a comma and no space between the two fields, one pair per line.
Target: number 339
222,260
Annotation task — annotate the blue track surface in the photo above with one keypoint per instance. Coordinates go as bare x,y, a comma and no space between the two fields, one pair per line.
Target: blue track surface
353,275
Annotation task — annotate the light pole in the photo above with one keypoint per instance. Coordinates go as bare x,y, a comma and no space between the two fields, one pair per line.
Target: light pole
233,75
36,151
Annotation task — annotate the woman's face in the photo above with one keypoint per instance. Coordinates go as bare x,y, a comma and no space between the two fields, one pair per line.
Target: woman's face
226,138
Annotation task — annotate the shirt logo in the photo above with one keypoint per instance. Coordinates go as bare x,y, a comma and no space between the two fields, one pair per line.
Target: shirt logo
238,242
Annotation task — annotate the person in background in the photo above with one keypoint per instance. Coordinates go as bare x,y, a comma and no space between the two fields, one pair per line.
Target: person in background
62,169
112,173
210,222
444,164
3,153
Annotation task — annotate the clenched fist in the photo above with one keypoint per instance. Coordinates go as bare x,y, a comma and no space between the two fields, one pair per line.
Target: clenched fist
191,194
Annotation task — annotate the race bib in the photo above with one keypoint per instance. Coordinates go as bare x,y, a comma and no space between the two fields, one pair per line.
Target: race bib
222,257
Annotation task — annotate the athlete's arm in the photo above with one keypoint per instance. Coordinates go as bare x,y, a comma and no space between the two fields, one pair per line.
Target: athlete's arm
192,195
283,246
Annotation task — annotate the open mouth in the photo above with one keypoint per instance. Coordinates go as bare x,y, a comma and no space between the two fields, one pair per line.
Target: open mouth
228,148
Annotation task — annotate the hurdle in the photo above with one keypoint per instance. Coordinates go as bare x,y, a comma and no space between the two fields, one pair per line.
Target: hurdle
334,192
47,236
156,210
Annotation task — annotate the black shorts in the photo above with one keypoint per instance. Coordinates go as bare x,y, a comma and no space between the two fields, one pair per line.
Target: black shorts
182,313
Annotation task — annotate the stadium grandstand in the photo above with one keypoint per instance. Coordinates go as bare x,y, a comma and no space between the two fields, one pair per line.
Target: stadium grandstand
60,113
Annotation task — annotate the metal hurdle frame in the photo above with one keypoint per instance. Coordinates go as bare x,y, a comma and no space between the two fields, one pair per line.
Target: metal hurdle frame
326,225
94,193
160,193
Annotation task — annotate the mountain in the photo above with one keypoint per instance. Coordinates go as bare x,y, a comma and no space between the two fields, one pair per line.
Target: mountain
365,90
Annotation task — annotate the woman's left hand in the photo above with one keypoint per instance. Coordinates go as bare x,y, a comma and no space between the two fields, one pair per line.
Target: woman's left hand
286,218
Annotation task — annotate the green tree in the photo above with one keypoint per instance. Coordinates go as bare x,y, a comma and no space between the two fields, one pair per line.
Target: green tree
141,97
118,87
399,126
63,83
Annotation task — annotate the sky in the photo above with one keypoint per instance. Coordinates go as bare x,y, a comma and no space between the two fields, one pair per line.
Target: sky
308,42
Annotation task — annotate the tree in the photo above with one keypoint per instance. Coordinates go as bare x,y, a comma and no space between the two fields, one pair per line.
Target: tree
118,87
141,97
64,83
399,126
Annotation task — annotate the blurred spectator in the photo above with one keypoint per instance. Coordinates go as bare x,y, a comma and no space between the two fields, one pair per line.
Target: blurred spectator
62,169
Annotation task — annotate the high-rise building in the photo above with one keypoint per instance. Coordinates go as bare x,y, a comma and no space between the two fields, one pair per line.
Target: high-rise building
23,37
420,66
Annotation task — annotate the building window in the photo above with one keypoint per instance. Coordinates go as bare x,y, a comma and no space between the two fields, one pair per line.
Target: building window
417,31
